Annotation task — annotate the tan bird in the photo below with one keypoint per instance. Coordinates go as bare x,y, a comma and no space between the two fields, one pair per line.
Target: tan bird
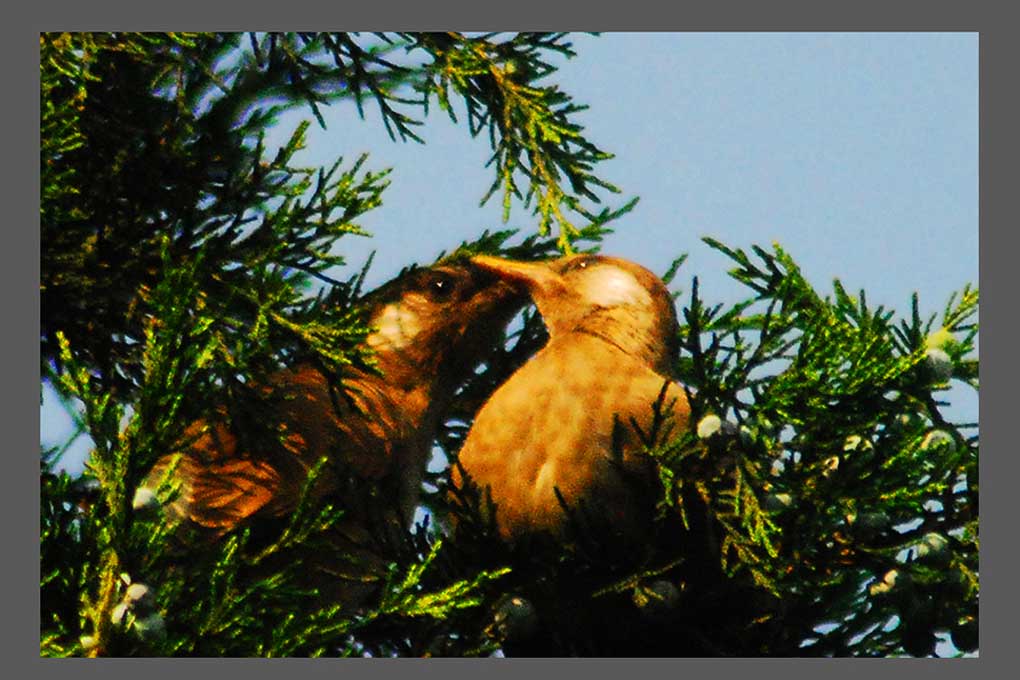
431,328
573,417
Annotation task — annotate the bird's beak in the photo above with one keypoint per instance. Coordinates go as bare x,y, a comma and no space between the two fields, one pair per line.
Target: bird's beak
535,277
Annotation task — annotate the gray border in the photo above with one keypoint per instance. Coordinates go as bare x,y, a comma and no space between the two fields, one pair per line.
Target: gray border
20,641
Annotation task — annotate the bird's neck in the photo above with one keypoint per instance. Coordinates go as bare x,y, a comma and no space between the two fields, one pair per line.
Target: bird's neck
630,338
400,377
419,385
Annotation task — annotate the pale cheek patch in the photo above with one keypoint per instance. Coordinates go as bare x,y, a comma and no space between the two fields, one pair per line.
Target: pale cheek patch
397,327
608,287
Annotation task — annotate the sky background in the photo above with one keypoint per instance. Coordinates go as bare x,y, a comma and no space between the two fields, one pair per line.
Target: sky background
857,153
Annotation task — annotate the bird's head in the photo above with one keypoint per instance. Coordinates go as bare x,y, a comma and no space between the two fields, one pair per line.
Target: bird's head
609,297
437,323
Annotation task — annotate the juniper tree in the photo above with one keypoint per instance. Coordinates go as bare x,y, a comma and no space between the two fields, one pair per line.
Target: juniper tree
820,503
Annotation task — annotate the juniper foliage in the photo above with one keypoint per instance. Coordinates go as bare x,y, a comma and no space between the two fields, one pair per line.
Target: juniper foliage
819,504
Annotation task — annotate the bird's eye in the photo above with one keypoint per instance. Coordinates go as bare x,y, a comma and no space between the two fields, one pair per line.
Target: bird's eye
579,263
440,287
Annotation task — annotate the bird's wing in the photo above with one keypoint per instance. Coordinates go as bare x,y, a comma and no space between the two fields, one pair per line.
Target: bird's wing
215,489
224,482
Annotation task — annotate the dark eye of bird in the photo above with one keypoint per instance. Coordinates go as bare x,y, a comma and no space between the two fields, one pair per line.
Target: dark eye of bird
579,263
440,287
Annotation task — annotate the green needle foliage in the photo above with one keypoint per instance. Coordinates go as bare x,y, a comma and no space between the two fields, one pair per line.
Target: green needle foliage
819,503
852,499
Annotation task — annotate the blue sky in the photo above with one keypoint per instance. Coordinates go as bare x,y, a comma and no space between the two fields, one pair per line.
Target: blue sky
857,153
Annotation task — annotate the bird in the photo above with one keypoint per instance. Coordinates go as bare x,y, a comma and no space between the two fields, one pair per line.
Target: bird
430,328
563,439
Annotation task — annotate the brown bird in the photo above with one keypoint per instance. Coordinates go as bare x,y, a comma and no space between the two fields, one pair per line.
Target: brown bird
572,419
431,328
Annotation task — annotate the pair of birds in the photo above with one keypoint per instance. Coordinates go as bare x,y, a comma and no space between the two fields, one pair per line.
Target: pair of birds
566,429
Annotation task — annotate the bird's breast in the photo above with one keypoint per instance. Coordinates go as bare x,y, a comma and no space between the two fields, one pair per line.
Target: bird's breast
563,422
